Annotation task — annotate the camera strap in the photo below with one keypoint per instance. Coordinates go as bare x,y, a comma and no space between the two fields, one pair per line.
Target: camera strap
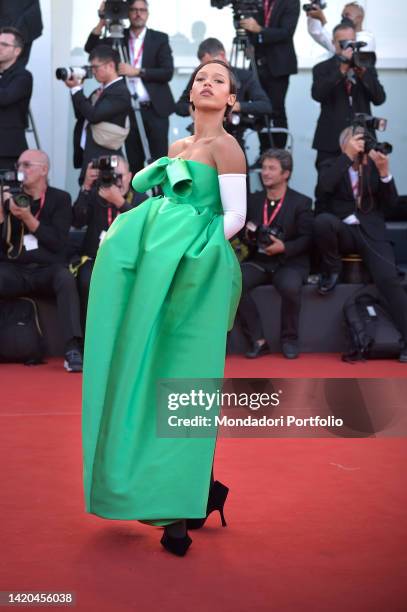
268,7
269,221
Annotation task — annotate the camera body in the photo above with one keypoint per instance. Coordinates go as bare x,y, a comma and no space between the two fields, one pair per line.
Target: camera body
78,72
360,59
115,12
315,4
14,181
366,125
261,236
107,166
242,9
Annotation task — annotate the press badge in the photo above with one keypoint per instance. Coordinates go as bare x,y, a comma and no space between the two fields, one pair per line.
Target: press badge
30,242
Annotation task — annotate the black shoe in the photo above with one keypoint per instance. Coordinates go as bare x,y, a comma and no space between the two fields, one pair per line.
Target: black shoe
257,350
403,355
216,500
328,283
73,361
290,350
176,546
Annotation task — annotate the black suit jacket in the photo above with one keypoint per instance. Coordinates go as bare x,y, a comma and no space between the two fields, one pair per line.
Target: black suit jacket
335,190
25,15
329,89
296,221
15,94
158,65
113,105
52,234
250,94
274,46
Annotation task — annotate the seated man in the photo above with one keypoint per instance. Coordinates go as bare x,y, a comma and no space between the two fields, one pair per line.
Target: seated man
355,188
251,98
280,257
98,204
103,119
32,262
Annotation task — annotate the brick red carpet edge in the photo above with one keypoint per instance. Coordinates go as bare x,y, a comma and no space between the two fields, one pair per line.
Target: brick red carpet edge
313,524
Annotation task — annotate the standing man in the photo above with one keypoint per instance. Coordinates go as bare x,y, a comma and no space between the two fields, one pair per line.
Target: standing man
149,71
25,15
15,94
272,37
281,256
342,90
103,123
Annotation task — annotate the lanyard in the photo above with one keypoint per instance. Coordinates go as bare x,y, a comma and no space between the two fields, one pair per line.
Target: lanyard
275,212
42,202
268,7
109,216
133,48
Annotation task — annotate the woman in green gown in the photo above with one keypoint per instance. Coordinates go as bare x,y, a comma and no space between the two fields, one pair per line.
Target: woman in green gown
164,292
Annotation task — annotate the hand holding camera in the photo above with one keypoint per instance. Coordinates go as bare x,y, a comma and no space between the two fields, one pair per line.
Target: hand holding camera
381,162
112,195
92,175
276,247
251,25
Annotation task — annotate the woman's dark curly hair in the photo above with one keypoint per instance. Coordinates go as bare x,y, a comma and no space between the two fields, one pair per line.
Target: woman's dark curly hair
232,81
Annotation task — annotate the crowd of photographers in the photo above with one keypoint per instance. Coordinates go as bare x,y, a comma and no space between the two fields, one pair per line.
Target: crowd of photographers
124,123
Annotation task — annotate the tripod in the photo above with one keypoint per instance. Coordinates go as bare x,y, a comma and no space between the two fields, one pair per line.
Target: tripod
31,129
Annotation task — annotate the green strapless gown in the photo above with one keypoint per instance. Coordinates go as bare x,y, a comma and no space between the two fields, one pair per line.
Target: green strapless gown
164,292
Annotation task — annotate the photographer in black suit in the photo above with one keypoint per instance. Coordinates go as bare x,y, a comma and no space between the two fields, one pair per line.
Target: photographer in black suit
103,119
353,222
272,37
342,90
25,15
280,257
15,94
150,69
251,99
33,261
103,196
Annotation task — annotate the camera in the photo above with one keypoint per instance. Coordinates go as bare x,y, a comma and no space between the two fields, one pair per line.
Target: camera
365,124
116,11
261,235
107,166
360,59
77,72
317,4
14,181
242,9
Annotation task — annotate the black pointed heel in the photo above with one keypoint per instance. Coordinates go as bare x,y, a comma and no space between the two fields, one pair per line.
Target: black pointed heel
176,546
217,497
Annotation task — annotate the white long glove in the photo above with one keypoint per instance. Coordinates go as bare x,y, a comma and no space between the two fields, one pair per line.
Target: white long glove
234,202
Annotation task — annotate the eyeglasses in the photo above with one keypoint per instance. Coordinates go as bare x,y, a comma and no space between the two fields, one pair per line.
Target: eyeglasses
97,66
26,165
5,45
138,10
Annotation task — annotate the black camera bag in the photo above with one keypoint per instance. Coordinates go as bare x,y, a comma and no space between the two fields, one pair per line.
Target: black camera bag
372,333
21,337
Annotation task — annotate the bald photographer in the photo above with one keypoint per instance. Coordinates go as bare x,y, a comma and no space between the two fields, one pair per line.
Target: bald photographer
105,194
35,219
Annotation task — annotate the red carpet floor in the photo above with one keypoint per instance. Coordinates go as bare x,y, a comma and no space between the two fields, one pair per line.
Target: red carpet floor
313,524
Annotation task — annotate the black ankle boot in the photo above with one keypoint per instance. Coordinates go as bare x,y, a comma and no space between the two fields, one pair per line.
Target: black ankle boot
216,500
176,544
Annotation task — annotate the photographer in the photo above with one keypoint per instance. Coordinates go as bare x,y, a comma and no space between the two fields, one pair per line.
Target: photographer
356,187
251,99
272,38
343,89
15,94
104,195
102,120
353,15
149,71
34,263
279,233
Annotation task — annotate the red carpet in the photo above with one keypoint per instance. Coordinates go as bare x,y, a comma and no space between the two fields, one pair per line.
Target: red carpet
313,525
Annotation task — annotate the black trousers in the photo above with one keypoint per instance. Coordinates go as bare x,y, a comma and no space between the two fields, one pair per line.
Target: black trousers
276,88
288,282
84,276
335,238
55,279
157,135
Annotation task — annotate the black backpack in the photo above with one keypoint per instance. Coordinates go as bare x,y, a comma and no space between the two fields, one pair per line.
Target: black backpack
372,333
21,338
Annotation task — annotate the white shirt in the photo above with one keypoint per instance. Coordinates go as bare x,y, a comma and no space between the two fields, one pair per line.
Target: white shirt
136,85
354,179
323,36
